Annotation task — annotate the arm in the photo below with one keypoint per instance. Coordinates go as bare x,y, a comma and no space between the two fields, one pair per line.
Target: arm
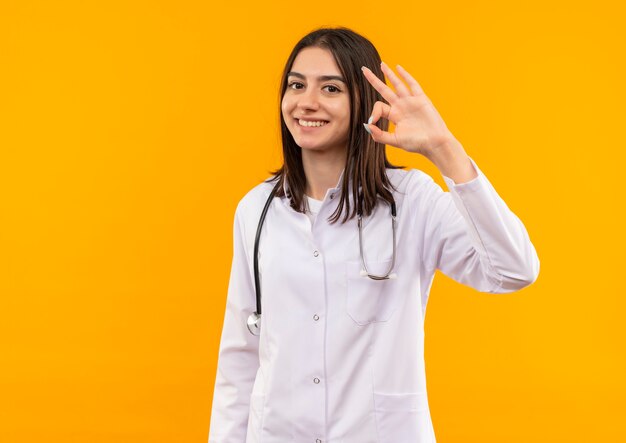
238,359
473,237
470,233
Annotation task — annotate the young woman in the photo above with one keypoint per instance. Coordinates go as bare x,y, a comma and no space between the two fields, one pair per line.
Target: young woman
332,351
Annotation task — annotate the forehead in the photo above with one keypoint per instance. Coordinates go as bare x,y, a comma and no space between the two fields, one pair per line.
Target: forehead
314,61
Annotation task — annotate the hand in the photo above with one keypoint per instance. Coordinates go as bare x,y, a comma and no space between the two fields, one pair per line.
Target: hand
418,126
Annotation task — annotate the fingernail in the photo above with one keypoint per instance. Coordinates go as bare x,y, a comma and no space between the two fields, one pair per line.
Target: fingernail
366,128
369,120
362,68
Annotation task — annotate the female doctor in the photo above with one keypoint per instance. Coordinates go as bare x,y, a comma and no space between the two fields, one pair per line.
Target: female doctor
323,336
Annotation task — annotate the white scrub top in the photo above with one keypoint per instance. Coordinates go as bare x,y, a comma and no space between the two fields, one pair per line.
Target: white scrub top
340,357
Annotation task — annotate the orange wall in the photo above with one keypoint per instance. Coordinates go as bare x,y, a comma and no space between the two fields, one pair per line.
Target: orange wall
130,130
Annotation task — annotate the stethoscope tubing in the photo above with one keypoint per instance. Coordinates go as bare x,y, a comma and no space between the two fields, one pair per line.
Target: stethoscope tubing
254,320
257,284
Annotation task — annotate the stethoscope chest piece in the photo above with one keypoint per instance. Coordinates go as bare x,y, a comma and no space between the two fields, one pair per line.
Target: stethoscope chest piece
254,323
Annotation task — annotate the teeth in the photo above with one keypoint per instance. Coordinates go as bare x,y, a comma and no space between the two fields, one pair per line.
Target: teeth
310,124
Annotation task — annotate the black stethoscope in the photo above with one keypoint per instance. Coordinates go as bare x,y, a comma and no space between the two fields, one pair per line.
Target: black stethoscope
254,320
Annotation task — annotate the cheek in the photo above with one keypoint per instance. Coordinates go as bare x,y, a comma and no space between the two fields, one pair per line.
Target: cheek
342,110
343,113
345,122
286,107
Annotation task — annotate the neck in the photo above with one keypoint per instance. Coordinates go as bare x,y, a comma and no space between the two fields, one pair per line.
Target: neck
322,170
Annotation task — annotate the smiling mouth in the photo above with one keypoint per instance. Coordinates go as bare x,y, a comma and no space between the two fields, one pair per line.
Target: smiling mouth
312,124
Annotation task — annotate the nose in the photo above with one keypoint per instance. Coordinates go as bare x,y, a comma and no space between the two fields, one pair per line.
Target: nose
309,100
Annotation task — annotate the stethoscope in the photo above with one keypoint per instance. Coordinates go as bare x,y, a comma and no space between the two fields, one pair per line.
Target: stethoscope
254,320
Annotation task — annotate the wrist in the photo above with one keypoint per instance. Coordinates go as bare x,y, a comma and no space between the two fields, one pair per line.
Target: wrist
453,162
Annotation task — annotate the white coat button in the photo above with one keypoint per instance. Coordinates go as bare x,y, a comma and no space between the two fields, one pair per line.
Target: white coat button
331,196
316,317
315,253
318,440
316,380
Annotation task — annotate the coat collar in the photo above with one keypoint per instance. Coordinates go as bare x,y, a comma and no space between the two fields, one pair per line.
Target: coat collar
337,189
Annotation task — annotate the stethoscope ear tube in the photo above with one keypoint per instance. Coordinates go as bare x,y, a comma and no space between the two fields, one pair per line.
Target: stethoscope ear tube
255,318
364,271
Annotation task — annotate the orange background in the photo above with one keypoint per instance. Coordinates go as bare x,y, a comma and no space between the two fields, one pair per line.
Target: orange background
130,130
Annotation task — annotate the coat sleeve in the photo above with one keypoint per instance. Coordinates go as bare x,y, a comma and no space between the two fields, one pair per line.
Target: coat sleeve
473,237
238,359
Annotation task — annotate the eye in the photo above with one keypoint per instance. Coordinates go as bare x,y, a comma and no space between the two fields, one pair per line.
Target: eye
290,85
333,87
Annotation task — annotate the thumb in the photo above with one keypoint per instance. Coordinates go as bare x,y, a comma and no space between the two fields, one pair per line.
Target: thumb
380,136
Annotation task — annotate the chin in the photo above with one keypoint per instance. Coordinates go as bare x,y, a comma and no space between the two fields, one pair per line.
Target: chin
308,144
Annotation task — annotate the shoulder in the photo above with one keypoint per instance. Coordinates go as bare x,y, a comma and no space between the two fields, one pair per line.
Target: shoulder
251,204
413,183
426,203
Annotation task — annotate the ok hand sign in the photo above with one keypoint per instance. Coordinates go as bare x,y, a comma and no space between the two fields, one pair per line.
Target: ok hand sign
418,126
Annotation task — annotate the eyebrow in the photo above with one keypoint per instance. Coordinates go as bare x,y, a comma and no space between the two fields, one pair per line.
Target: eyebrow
321,78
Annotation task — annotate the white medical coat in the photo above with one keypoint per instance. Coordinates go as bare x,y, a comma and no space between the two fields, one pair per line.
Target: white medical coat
340,357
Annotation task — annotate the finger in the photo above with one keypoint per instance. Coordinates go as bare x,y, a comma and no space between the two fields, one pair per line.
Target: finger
380,136
400,87
416,89
379,85
379,110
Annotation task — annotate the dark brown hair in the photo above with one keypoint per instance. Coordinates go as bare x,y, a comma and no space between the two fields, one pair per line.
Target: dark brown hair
366,159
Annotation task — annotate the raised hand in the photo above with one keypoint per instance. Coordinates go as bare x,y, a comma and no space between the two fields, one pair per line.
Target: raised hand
418,126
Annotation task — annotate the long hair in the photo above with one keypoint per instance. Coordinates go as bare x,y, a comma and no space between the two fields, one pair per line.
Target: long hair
366,159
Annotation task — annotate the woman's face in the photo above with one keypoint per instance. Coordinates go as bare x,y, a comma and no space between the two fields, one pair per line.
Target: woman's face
316,103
